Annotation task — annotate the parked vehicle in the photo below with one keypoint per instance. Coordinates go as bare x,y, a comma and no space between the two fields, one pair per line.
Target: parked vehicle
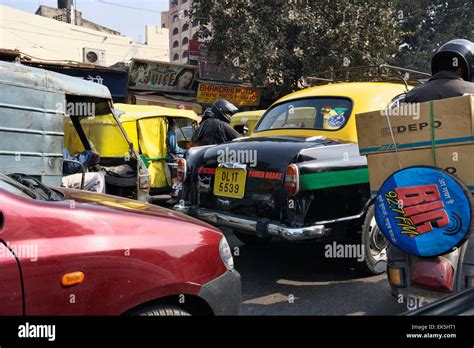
71,252
146,126
298,176
34,107
245,122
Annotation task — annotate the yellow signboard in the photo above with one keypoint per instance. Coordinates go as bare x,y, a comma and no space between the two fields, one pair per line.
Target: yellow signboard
239,96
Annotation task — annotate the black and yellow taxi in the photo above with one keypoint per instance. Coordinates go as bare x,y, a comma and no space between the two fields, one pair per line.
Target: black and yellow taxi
298,176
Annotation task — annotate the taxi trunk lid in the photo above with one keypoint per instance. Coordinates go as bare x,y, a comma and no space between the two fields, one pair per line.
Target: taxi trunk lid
265,160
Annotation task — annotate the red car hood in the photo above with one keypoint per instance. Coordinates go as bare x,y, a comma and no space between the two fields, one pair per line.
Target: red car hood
120,205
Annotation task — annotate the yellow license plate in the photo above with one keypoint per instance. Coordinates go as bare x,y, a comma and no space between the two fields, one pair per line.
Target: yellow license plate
229,182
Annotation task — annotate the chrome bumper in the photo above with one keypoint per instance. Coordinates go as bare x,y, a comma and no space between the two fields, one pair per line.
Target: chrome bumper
240,223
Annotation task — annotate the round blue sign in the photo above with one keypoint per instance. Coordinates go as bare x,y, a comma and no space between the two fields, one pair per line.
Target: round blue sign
424,211
336,120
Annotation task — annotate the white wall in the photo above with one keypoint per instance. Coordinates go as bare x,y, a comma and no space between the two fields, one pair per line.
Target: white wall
47,38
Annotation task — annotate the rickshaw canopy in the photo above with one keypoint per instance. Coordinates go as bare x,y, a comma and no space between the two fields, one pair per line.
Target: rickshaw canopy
131,112
147,128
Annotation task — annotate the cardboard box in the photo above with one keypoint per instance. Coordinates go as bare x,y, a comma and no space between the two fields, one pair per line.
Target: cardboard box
453,121
457,160
454,139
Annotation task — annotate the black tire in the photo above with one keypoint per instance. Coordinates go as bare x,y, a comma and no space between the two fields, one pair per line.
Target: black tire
161,311
251,239
375,246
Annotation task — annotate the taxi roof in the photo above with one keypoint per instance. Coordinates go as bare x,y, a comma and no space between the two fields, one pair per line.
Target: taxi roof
353,90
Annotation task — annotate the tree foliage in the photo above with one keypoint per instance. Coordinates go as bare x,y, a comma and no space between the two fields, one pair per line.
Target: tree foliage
426,25
277,42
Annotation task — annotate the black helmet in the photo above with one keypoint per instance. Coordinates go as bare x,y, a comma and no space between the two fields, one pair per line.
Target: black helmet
459,48
207,114
223,110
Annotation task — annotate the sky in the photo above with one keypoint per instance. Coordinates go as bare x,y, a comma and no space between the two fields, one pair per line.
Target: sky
113,14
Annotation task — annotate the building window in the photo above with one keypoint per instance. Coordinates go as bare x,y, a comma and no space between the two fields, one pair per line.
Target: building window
185,41
195,23
175,31
176,56
184,1
185,27
175,18
186,13
185,54
175,44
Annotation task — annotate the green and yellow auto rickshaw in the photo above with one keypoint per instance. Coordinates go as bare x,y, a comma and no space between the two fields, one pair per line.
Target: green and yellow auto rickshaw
147,128
244,122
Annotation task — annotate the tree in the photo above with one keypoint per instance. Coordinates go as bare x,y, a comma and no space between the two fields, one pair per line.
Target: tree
278,42
427,24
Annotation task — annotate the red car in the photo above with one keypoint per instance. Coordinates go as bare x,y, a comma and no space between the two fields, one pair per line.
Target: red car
70,252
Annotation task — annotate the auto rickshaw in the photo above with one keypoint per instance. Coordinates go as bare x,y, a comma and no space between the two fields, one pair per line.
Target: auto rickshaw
43,112
244,122
147,128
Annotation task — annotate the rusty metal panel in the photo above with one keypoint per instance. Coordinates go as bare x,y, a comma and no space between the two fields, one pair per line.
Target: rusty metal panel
42,79
32,115
31,130
42,167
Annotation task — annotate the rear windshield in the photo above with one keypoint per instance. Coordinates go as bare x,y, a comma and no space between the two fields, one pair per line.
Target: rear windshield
310,113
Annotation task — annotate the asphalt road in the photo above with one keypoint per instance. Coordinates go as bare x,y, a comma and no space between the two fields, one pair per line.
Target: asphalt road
284,278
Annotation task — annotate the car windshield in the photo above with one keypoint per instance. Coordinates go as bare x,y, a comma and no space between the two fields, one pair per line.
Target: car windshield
10,185
325,113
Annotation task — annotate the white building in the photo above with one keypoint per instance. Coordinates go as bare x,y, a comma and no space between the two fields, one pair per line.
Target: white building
49,39
181,29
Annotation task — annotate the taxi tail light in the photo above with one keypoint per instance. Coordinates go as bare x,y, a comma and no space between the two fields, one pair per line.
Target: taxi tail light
292,180
436,274
181,170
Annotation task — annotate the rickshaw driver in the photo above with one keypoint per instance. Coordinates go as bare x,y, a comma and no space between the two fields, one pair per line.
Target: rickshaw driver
94,182
172,140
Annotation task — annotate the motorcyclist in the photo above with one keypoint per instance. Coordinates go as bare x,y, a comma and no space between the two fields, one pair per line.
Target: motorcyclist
452,72
452,69
215,127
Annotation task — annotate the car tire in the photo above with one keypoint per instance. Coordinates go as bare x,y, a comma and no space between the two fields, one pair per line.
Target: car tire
374,244
251,239
161,311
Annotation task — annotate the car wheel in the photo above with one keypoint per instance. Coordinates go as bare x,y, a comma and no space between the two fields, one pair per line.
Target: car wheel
161,311
375,244
251,239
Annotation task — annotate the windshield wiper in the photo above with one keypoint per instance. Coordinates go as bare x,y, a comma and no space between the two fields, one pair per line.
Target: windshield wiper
43,192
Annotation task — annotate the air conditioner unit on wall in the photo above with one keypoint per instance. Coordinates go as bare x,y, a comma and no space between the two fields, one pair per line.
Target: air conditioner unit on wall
94,56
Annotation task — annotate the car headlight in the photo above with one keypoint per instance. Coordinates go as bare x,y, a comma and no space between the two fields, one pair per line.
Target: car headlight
226,254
